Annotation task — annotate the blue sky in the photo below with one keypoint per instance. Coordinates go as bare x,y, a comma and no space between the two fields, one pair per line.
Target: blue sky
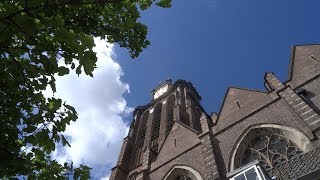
212,43
217,44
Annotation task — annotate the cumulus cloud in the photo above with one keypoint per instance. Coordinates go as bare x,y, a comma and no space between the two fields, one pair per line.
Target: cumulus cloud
97,135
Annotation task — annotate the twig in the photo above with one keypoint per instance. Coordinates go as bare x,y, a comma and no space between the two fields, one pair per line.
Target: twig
23,75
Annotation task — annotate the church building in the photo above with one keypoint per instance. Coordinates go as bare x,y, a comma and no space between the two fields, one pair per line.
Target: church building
257,135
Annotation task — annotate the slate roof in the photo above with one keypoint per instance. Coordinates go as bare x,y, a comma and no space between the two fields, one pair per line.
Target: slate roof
305,166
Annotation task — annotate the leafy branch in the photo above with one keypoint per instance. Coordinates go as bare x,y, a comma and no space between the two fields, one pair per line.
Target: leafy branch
21,70
56,5
35,35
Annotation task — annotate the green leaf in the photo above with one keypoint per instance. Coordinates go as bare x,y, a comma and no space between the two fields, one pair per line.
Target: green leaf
64,141
30,129
70,108
37,21
164,3
78,70
76,174
62,71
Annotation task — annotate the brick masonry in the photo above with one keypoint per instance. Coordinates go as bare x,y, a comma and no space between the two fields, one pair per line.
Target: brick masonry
200,146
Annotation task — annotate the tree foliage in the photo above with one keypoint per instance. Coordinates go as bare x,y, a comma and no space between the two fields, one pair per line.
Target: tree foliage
35,35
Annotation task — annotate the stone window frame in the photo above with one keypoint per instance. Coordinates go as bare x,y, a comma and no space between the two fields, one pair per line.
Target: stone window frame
184,170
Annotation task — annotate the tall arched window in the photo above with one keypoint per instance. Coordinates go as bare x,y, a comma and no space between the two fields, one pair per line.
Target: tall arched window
170,113
197,119
156,126
140,140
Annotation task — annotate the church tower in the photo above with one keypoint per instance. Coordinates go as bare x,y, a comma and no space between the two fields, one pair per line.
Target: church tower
172,128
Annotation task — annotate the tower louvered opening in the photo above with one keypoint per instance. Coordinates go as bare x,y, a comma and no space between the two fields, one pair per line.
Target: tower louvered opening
156,126
140,139
185,118
170,113
197,119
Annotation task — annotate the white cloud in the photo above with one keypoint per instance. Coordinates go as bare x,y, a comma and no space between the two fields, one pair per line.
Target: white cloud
97,135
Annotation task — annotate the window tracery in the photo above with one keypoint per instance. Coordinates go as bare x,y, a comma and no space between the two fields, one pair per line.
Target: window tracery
182,172
182,177
270,150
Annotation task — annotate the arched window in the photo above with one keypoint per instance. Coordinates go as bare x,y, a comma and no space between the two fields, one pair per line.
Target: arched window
156,126
270,144
181,172
170,113
270,149
183,177
140,140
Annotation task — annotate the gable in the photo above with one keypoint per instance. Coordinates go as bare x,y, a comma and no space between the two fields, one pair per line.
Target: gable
305,63
239,99
239,103
179,140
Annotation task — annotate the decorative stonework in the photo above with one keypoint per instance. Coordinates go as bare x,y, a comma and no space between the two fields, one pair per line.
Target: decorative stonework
183,177
271,144
271,150
181,172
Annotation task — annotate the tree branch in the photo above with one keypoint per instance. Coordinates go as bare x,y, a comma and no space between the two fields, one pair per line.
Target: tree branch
71,2
115,31
29,35
8,24
20,68
28,49
22,31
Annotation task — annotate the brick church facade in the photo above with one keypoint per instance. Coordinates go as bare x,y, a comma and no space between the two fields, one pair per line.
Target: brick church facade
271,134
